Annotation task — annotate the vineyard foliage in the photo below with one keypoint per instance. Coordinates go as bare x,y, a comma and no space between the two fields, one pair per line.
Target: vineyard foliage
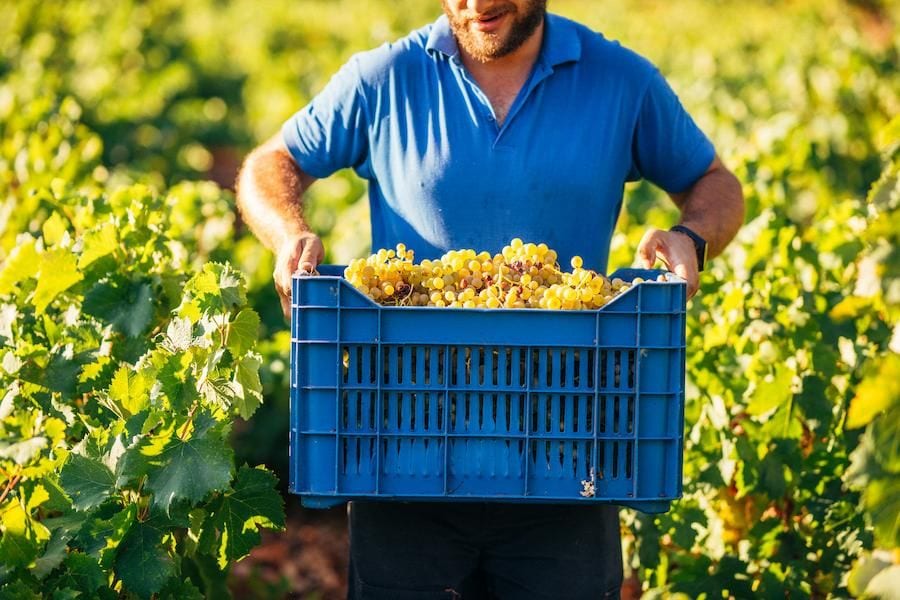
123,368
139,329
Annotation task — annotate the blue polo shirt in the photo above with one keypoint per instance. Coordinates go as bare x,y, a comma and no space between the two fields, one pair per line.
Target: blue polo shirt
442,173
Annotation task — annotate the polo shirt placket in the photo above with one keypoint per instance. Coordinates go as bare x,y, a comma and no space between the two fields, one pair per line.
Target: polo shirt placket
554,52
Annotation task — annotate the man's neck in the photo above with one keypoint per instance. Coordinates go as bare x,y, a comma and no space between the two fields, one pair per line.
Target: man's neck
521,60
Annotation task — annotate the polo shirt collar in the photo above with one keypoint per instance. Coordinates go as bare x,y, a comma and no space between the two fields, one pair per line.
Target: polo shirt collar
561,41
440,39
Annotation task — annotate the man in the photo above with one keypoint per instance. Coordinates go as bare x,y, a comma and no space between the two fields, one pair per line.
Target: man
497,121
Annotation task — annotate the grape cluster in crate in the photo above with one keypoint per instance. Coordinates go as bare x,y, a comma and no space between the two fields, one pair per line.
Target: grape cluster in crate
522,275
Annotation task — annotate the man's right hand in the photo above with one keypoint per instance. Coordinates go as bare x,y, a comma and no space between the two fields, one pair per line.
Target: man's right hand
300,252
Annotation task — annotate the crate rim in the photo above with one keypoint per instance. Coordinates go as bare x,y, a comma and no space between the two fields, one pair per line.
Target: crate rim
336,272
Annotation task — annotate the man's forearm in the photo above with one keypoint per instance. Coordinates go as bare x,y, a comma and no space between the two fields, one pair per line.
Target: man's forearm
269,194
714,208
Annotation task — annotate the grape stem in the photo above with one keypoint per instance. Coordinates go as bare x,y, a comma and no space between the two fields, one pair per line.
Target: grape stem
403,301
10,484
184,430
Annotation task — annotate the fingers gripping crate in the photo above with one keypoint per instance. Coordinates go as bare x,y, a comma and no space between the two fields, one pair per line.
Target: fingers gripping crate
515,405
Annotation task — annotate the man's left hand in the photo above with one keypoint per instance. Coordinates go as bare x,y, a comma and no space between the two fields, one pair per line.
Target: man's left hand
676,250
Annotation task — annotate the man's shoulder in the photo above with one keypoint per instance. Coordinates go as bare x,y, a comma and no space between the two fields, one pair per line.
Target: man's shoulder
378,64
604,54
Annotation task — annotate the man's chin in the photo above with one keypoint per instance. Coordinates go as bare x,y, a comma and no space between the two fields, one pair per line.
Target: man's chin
487,52
486,45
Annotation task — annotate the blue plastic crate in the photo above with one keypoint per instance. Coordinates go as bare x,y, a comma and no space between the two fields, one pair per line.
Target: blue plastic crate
514,405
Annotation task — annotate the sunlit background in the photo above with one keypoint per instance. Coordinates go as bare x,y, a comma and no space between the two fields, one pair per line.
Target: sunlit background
792,465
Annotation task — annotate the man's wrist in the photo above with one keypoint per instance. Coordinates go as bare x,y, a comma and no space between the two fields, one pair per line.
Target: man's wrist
700,245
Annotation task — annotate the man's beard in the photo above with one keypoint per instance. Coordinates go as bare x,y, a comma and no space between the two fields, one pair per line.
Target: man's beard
488,46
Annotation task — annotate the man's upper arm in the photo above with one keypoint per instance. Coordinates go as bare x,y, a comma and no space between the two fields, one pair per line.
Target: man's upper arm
275,145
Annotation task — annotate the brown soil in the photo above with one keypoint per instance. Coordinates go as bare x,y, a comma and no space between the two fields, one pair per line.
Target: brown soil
306,560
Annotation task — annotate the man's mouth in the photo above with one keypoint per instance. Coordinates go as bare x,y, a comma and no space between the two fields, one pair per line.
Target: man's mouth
490,22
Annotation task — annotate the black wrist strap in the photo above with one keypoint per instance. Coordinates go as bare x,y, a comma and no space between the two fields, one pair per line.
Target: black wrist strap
699,244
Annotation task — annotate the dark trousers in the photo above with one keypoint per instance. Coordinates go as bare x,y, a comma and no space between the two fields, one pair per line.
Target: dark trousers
480,551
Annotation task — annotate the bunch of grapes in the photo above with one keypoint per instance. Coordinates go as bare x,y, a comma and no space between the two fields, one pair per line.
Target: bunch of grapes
520,276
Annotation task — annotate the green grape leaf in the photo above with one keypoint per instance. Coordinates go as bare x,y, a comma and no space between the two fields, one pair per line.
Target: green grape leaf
771,391
51,329
130,350
180,589
875,393
253,502
129,391
61,374
97,244
83,573
213,578
814,401
88,482
218,288
96,369
58,272
18,589
54,229
178,517
198,539
772,480
888,137
882,499
243,332
850,307
23,537
190,312
67,525
54,553
231,286
246,385
884,432
191,469
142,562
784,423
21,264
37,497
204,283
177,382
138,458
126,306
57,501
62,529
100,536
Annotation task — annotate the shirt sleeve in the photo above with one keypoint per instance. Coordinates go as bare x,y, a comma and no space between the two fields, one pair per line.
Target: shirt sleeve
668,148
331,132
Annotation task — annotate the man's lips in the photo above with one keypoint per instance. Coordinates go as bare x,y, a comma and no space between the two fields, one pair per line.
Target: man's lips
490,23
